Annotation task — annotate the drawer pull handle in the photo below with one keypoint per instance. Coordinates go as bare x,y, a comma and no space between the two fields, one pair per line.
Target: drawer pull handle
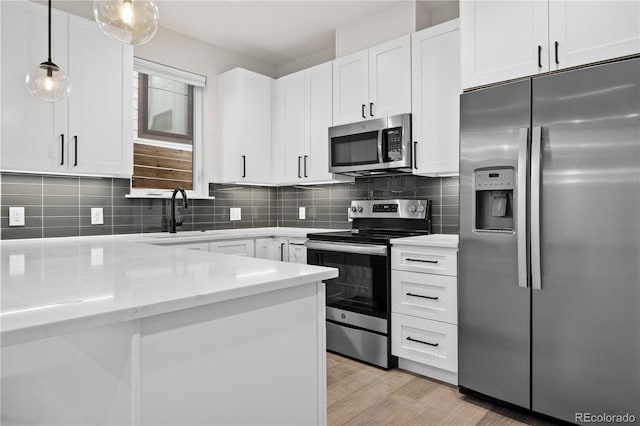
423,342
421,260
424,297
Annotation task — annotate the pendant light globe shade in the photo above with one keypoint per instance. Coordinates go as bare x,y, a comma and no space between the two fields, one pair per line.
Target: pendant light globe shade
48,82
127,21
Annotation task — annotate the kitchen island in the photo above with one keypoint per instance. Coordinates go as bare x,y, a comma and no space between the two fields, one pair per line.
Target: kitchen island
114,330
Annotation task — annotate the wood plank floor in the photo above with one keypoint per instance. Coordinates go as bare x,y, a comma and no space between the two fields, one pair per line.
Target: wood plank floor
359,394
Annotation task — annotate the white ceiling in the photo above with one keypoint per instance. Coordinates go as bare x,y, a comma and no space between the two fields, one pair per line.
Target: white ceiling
276,32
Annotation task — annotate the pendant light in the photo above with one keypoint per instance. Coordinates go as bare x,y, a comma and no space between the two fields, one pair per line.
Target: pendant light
127,21
47,81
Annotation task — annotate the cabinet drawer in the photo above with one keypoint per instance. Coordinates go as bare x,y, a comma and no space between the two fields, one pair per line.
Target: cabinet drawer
424,259
429,342
424,295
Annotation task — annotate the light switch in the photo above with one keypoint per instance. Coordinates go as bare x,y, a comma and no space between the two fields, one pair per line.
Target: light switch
302,214
97,217
235,213
16,216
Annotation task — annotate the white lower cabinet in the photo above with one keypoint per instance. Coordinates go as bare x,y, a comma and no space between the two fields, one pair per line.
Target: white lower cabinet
237,247
425,341
273,248
424,314
297,250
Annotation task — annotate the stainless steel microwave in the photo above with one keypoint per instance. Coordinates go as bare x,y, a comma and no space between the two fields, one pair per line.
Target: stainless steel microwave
371,147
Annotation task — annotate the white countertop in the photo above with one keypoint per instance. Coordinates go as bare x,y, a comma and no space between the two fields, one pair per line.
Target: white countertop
433,240
58,285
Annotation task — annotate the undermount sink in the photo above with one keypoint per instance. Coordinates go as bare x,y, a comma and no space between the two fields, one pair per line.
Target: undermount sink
184,234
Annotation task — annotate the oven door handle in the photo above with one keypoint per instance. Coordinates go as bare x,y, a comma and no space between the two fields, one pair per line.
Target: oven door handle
374,250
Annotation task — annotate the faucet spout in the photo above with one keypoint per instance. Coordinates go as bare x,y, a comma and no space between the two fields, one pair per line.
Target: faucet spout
172,221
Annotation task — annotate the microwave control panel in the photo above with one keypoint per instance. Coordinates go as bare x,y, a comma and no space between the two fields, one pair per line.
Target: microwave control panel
394,144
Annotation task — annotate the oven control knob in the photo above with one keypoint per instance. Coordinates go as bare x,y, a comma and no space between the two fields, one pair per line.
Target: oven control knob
412,209
360,209
353,209
420,209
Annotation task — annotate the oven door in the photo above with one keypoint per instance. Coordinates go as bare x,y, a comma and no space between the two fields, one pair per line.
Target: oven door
362,283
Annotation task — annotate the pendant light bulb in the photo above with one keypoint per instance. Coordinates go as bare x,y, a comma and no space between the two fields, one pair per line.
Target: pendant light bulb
46,80
127,21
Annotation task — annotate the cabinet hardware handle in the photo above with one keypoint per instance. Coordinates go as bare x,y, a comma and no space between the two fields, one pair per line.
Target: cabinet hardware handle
299,158
305,165
422,341
75,139
364,114
371,109
421,260
297,244
415,156
420,295
556,45
244,166
282,252
62,149
539,56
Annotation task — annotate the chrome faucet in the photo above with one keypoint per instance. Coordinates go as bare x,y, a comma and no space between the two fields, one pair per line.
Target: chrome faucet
172,221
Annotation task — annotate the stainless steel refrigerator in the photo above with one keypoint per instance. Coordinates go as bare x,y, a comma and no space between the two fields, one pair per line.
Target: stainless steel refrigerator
549,275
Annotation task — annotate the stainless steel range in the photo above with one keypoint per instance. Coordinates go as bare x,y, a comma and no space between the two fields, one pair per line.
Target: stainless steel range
358,301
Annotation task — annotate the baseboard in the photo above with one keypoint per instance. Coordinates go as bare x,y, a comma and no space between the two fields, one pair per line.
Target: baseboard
428,371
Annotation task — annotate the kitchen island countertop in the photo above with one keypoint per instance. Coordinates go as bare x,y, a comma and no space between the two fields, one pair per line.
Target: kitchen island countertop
56,286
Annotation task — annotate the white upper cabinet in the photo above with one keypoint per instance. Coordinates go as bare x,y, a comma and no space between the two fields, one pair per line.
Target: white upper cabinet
100,106
245,126
373,83
592,31
39,136
390,78
503,40
302,117
351,88
436,99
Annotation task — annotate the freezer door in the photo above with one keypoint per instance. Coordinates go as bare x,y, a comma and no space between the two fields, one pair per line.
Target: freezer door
586,316
494,314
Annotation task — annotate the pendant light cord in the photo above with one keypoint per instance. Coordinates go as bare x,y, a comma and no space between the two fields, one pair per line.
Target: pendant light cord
49,60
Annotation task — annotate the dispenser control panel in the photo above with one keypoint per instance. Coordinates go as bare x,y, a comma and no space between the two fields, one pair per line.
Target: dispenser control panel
495,180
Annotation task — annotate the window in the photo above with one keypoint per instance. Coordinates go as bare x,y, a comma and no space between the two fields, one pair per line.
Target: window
167,129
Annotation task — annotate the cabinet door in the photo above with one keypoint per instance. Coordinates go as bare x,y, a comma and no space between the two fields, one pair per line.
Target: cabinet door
591,31
350,88
230,130
297,250
318,119
100,106
500,40
255,94
436,99
294,126
390,78
34,132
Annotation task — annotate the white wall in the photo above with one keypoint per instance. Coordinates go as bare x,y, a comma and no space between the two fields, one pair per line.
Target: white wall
430,13
307,62
371,30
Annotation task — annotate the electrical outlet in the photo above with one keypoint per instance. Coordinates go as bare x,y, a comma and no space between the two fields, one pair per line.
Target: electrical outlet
302,214
97,217
16,216
235,213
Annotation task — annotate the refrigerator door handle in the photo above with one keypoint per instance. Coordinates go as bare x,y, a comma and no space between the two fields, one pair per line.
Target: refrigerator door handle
521,230
536,169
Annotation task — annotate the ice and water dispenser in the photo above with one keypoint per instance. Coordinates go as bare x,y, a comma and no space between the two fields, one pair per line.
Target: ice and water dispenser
494,199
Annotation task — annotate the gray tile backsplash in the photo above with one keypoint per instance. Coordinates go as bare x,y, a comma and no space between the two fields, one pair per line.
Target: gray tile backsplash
58,206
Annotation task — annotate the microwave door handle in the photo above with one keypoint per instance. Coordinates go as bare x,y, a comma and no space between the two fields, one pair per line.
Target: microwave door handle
380,157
